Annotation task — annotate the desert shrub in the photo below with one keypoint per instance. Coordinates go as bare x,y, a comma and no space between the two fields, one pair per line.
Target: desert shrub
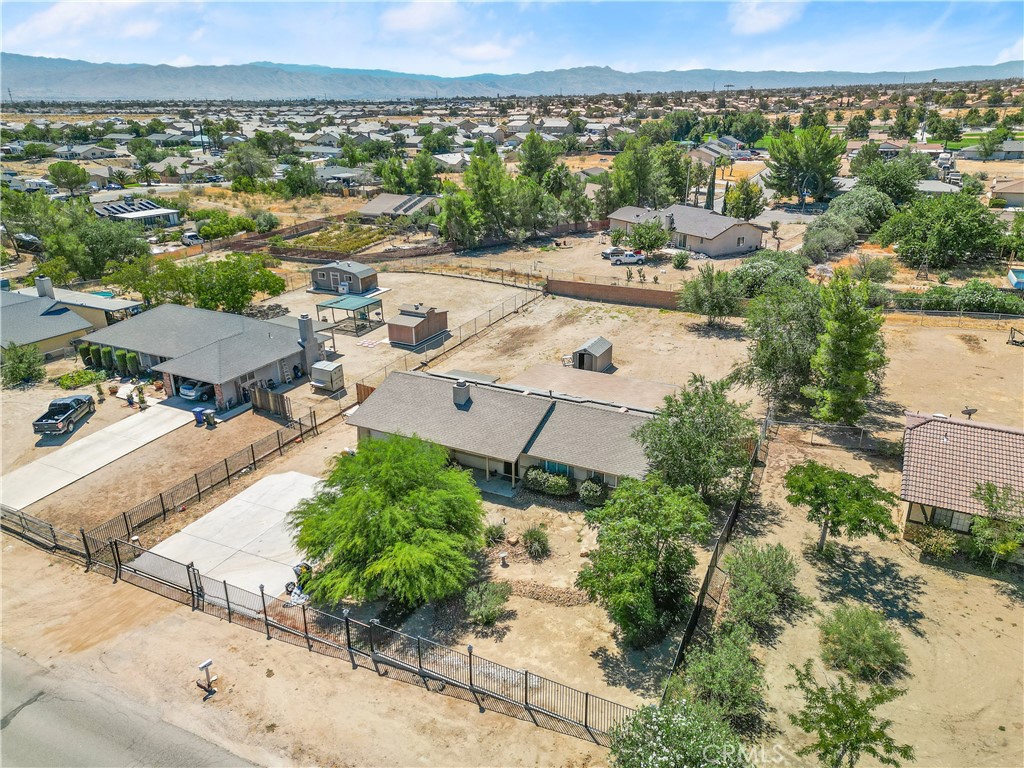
857,639
997,202
121,361
107,357
593,493
939,543
767,267
80,378
974,296
85,352
878,295
493,534
864,207
536,479
680,260
133,363
22,363
877,269
944,277
486,602
761,583
535,540
680,733
723,673
828,234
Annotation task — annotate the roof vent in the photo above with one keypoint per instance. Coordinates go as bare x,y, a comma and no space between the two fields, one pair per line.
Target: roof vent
460,393
939,416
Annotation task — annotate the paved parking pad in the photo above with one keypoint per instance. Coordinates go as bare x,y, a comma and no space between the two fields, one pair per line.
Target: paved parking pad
28,484
247,540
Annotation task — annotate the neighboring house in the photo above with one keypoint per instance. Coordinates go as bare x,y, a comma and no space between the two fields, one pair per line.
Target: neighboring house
344,277
98,311
140,210
453,162
695,229
934,188
945,460
504,429
710,152
85,152
1010,190
386,204
335,176
231,352
1009,150
731,142
416,324
38,320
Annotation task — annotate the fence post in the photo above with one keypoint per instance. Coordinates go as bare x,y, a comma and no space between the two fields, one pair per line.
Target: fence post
227,598
116,557
85,545
53,535
419,656
227,472
348,638
127,523
316,427
470,649
373,649
280,449
266,619
305,628
163,506
199,491
252,454
192,587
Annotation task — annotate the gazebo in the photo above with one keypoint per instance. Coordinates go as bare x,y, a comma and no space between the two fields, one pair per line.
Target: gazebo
358,314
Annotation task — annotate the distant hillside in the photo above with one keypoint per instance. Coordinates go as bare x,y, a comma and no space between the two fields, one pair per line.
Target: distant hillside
34,78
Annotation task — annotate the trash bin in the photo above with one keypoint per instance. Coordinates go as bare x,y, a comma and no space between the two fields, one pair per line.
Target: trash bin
208,415
198,414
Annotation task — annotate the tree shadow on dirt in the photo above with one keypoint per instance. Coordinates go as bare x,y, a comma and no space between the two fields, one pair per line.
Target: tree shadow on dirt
880,582
718,331
640,671
758,519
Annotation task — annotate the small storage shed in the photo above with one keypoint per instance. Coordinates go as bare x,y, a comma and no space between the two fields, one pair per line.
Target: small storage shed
344,277
415,324
595,355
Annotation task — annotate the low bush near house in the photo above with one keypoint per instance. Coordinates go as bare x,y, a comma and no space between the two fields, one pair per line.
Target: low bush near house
486,602
857,639
107,358
85,352
121,361
593,493
493,534
77,379
535,540
536,479
133,363
680,260
936,542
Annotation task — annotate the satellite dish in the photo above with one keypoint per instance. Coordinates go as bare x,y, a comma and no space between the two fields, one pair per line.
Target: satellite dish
968,412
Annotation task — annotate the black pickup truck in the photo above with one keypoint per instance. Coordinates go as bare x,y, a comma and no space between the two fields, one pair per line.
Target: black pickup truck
62,415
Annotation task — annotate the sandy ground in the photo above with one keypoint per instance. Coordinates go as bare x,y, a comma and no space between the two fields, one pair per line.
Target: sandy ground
963,632
288,211
996,169
19,445
276,704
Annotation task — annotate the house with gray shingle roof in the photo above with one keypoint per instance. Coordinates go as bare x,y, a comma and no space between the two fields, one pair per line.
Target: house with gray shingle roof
38,320
946,459
504,429
695,229
231,352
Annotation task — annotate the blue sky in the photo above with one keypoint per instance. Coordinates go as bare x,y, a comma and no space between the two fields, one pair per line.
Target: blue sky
459,38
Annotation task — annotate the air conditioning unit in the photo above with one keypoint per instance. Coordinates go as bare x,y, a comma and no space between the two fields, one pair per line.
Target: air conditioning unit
343,288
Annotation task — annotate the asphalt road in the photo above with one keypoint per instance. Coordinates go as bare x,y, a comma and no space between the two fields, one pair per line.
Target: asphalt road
49,720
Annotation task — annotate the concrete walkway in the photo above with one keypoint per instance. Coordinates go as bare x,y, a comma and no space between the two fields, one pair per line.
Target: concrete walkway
32,482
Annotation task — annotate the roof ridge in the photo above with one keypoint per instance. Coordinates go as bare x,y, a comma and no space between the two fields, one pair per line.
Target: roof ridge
931,418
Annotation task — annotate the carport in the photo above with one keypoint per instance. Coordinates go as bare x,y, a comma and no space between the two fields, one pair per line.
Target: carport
352,315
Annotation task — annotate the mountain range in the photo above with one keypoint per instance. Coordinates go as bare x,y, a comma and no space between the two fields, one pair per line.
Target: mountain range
38,78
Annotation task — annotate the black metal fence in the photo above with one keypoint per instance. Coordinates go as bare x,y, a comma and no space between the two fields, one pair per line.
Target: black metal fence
389,652
706,602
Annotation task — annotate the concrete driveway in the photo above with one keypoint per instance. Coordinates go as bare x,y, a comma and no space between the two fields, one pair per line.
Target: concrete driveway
32,482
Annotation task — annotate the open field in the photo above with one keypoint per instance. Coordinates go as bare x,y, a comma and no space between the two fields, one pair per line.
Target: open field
963,632
288,211
996,169
277,705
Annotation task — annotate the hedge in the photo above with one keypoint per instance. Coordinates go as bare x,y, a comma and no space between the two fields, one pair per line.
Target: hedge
536,479
85,352
107,358
133,363
121,361
593,493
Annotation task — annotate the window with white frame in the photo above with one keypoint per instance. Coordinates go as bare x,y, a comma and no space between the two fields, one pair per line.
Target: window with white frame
740,241
555,468
321,275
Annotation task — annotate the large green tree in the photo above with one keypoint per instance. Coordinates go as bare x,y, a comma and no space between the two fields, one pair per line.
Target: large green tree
844,724
783,325
488,183
395,520
850,358
1000,532
804,163
745,200
247,160
699,437
633,176
649,237
641,570
21,364
841,503
67,175
535,157
941,232
897,179
421,175
711,293
459,221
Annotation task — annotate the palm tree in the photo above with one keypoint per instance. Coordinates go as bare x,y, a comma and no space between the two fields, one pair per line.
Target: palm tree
146,175
120,177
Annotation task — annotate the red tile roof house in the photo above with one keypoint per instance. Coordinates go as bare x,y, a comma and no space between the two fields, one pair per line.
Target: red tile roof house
945,459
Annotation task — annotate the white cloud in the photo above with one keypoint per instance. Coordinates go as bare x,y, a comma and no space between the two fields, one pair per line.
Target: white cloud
756,17
184,60
488,51
64,18
420,17
1014,52
197,35
141,28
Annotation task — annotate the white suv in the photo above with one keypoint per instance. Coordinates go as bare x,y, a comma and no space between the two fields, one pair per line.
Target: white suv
628,258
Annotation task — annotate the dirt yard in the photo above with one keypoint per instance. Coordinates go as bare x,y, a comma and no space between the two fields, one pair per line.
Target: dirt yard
963,632
277,705
289,211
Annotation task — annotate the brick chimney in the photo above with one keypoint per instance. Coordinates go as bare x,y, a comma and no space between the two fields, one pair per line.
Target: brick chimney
308,342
